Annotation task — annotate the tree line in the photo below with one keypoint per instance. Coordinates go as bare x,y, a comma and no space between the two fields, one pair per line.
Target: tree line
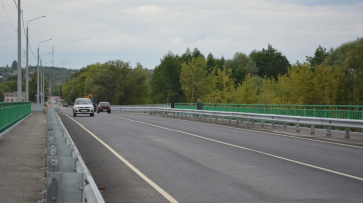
114,81
329,77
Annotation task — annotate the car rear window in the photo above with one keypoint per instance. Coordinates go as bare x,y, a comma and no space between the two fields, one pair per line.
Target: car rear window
105,104
83,101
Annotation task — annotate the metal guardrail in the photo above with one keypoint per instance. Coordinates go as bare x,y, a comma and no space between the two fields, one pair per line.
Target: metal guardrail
11,113
262,118
37,107
131,109
251,118
166,105
324,111
68,179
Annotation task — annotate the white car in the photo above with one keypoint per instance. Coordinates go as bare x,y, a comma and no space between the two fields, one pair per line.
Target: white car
83,106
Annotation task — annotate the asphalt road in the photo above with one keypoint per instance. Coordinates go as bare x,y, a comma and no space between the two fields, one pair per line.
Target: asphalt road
189,161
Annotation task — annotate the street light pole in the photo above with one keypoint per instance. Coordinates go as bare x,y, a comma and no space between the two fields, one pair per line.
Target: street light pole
38,100
20,89
27,61
42,79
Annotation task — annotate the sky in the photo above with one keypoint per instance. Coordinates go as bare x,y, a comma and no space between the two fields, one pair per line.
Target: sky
84,32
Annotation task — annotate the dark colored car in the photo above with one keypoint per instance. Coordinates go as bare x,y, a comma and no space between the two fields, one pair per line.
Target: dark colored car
104,106
65,104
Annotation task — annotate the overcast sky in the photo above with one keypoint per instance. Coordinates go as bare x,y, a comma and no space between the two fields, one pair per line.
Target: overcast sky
89,31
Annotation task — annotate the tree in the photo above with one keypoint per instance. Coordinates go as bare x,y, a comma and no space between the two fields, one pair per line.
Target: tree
267,91
14,65
348,56
270,62
165,84
192,78
325,84
354,69
246,93
241,65
319,56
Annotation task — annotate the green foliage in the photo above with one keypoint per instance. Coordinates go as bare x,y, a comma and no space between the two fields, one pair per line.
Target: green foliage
349,57
241,65
192,78
14,65
319,56
2,97
113,81
270,62
165,81
57,76
246,93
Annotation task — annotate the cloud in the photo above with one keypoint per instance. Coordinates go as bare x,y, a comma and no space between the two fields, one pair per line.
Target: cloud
89,31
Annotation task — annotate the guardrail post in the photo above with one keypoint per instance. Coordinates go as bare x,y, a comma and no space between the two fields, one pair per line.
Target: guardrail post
248,123
210,118
229,120
273,125
297,127
54,180
205,117
347,133
328,131
262,123
216,119
284,126
312,130
252,122
237,121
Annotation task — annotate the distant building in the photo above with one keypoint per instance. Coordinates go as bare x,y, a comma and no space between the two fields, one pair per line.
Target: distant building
12,96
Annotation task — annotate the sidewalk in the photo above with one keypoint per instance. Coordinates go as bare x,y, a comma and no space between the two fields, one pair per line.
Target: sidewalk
21,160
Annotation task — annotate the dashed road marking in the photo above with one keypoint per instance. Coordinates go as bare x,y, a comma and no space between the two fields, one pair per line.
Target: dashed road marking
282,135
248,149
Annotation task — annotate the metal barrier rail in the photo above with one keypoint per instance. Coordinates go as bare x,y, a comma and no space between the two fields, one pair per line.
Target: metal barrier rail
324,111
252,117
12,112
37,107
68,179
166,105
137,109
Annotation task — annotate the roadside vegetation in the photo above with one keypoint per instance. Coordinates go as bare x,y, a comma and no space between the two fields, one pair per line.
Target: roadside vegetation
329,77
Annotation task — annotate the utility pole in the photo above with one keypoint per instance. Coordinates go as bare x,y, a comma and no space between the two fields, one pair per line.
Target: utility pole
27,61
20,90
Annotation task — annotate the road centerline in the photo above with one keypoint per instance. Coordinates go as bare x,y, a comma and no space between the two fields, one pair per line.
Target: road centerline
137,171
248,149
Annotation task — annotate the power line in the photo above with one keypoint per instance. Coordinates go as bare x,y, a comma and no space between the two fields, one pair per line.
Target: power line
8,16
16,5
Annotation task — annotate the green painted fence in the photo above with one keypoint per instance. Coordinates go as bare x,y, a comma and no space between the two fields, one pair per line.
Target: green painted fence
12,112
329,111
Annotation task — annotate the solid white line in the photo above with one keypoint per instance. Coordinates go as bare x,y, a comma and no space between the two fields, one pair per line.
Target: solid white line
248,149
154,185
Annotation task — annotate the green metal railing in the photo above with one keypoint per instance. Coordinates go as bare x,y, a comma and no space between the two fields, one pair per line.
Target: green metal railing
324,111
12,112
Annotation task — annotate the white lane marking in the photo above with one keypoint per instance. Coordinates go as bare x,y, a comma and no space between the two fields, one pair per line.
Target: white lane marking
302,138
248,149
154,185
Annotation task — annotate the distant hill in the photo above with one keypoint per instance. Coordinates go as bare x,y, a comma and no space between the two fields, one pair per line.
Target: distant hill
57,76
